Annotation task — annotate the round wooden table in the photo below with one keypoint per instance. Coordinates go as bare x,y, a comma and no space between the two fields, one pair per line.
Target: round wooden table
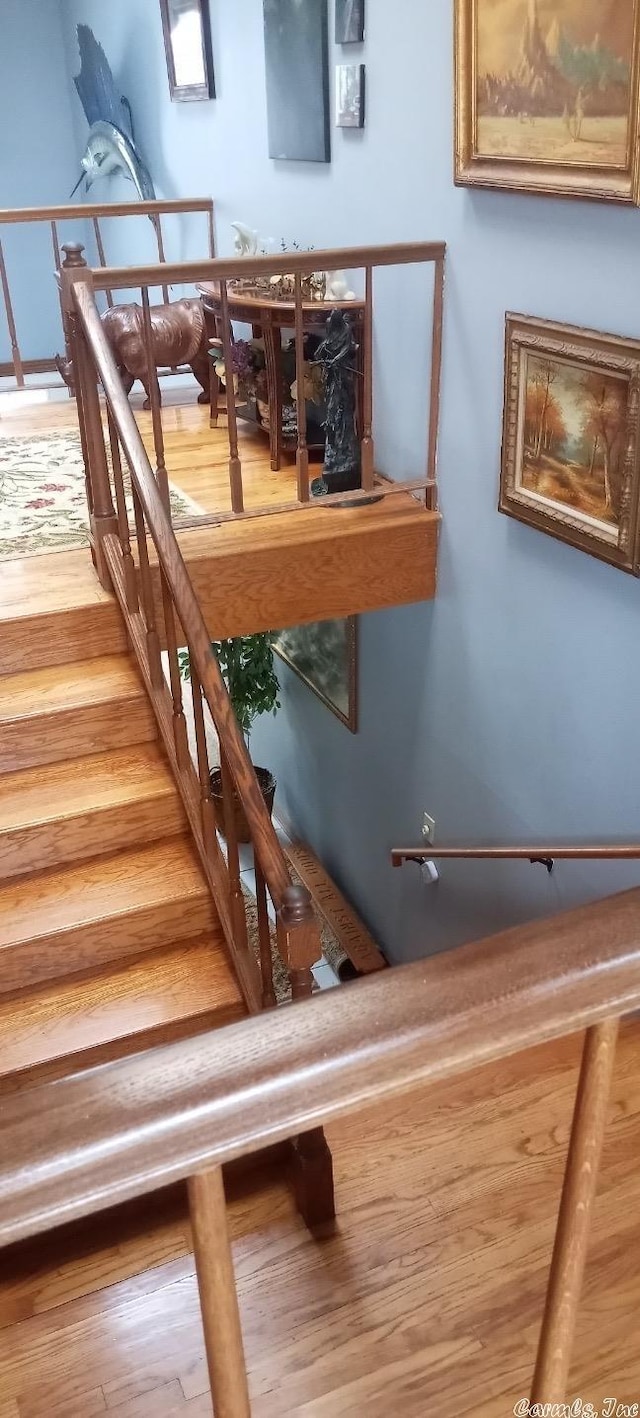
268,317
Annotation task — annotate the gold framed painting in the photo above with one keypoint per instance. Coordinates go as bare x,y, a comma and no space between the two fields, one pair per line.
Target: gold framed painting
571,437
547,96
324,654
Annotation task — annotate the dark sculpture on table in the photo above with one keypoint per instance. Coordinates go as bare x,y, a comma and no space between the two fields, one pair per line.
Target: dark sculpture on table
178,337
336,355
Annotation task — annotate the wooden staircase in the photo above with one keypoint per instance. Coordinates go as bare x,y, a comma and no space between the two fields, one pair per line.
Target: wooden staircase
109,940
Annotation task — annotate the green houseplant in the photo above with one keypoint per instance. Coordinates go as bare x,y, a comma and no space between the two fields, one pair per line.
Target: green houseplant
247,666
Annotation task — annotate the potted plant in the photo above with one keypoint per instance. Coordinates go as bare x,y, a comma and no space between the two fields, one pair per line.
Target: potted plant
248,670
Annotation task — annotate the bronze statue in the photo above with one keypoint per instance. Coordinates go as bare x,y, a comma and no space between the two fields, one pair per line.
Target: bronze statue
336,355
178,334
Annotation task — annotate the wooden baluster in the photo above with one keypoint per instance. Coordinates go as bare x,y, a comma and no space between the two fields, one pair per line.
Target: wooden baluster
235,466
147,597
63,313
368,452
211,232
101,256
131,587
312,1163
302,452
574,1219
56,245
218,1296
13,334
436,374
153,394
204,774
229,797
180,736
264,937
156,223
103,518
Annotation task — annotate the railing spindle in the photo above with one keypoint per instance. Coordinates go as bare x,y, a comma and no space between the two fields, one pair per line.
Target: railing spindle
235,466
302,452
204,771
368,454
153,395
101,256
574,1219
218,1295
211,232
436,374
157,226
147,597
130,582
264,937
230,799
180,737
13,334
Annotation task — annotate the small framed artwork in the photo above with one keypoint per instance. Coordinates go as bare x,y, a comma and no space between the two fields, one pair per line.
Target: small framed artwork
571,444
547,96
350,95
296,41
349,21
325,656
187,43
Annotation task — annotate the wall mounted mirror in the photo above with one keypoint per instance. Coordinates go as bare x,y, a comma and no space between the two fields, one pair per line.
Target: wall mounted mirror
187,43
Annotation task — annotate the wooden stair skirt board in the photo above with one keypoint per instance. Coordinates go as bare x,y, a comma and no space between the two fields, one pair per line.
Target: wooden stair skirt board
82,917
71,1024
340,917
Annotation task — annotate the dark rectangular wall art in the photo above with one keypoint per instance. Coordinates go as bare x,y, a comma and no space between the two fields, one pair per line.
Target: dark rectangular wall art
349,21
297,70
324,655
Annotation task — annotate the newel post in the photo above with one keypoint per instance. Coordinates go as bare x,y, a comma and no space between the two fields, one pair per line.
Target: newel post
80,375
312,1161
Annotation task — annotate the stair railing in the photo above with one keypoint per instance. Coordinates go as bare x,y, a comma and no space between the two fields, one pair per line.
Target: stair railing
181,1111
80,214
144,565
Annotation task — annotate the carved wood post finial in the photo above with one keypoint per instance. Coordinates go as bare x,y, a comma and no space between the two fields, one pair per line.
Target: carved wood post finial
73,254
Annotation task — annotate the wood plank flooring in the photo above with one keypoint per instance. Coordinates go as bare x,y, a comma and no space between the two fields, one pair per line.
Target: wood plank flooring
427,1300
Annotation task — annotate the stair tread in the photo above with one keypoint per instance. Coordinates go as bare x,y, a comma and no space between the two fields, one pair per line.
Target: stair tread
77,685
89,784
106,887
63,1018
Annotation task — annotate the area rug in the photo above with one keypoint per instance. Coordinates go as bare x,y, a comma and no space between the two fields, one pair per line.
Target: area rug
43,503
332,951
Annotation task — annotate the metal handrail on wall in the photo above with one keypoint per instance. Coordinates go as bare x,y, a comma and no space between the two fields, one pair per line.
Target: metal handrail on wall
92,212
183,1110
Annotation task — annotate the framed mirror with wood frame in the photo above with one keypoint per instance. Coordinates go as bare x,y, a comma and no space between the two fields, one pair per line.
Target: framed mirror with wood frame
547,96
187,42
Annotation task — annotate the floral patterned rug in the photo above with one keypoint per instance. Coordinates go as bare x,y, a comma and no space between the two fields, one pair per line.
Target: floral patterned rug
43,504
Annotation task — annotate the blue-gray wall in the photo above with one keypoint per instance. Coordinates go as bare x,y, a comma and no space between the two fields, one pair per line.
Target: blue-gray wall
509,707
38,162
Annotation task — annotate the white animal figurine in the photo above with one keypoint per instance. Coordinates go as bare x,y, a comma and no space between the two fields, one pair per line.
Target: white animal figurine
337,287
246,240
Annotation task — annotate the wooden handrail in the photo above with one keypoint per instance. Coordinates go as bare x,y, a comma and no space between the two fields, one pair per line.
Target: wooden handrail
349,258
267,846
86,1142
71,210
534,851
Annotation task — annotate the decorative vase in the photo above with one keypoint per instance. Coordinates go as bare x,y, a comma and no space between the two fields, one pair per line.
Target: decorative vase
267,784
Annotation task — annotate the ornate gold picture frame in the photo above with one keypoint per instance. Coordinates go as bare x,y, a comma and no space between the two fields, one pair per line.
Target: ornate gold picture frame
571,437
547,96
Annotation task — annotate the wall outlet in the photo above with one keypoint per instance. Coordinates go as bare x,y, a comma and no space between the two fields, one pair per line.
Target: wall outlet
428,827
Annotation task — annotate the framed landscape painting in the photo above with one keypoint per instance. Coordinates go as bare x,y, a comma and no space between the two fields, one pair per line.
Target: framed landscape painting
547,96
325,656
571,445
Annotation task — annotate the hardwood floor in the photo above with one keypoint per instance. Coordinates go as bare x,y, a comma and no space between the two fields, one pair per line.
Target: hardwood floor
427,1300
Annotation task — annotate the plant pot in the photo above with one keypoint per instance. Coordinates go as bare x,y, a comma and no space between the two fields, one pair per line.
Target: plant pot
267,784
